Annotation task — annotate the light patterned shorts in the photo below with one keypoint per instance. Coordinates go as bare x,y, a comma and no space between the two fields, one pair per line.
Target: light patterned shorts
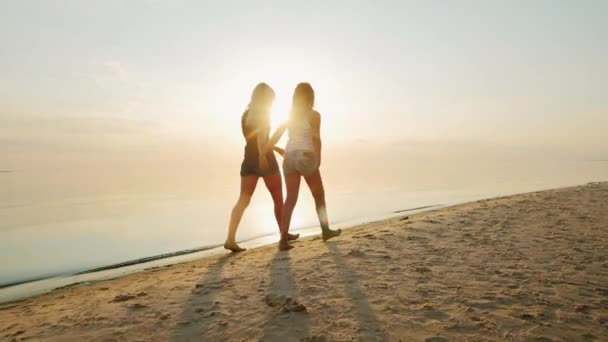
303,162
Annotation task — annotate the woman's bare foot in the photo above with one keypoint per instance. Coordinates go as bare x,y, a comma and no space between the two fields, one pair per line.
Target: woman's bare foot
284,245
233,247
328,233
293,237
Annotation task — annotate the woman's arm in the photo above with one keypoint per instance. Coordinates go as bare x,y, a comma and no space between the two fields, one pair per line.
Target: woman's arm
279,150
262,140
275,138
316,134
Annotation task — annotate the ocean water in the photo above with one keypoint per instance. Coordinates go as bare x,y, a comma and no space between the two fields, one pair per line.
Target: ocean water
56,221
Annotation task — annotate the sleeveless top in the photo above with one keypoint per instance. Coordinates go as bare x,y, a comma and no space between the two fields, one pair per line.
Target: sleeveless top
300,135
250,132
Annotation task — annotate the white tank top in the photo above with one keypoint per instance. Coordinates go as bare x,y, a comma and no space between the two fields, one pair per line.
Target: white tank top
300,136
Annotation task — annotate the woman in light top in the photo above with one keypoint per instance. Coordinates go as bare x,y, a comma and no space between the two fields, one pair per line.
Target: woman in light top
302,158
255,124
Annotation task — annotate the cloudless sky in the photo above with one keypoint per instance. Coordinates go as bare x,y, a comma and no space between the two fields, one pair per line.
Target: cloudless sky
102,72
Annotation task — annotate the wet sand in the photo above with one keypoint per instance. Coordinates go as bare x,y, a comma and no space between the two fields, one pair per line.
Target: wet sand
525,267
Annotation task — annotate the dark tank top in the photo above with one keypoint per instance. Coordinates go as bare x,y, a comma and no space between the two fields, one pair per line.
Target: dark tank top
251,136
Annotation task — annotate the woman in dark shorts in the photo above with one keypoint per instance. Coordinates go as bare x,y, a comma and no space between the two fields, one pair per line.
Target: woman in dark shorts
255,125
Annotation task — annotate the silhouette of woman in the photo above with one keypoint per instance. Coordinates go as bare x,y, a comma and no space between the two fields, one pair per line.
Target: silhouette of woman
255,124
302,158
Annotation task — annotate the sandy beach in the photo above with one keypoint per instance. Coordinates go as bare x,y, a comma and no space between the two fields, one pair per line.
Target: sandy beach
526,267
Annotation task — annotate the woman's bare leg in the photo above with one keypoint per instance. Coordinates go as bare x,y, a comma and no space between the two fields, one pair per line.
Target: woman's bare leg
248,184
275,187
292,183
315,183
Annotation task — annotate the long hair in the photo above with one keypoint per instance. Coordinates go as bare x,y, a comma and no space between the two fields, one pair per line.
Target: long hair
259,105
303,100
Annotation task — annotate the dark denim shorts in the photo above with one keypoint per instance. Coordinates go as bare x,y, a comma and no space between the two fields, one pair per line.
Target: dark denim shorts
251,167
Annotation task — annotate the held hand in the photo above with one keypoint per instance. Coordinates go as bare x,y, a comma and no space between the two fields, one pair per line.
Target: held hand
263,163
279,150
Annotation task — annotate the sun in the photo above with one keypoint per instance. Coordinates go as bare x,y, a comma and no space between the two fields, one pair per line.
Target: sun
282,103
279,113
282,72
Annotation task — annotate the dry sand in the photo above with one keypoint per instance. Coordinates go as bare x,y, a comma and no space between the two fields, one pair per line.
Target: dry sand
527,267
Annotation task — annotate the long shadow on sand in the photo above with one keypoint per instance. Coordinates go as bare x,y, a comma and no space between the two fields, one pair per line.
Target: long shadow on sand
286,318
201,312
370,329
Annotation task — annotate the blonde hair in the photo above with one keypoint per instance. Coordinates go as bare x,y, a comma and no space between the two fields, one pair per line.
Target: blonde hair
303,100
303,96
259,105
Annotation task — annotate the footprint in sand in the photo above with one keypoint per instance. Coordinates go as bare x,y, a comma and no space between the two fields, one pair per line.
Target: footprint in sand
437,315
582,308
589,337
464,328
319,338
602,291
17,333
285,303
356,253
122,298
526,316
422,269
137,306
436,339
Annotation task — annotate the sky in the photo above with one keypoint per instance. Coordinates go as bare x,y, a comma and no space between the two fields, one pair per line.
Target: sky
112,75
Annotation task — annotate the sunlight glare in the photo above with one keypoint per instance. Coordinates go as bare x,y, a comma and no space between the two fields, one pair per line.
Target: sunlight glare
282,72
281,106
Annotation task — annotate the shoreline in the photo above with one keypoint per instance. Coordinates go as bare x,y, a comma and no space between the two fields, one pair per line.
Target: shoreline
111,266
16,292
